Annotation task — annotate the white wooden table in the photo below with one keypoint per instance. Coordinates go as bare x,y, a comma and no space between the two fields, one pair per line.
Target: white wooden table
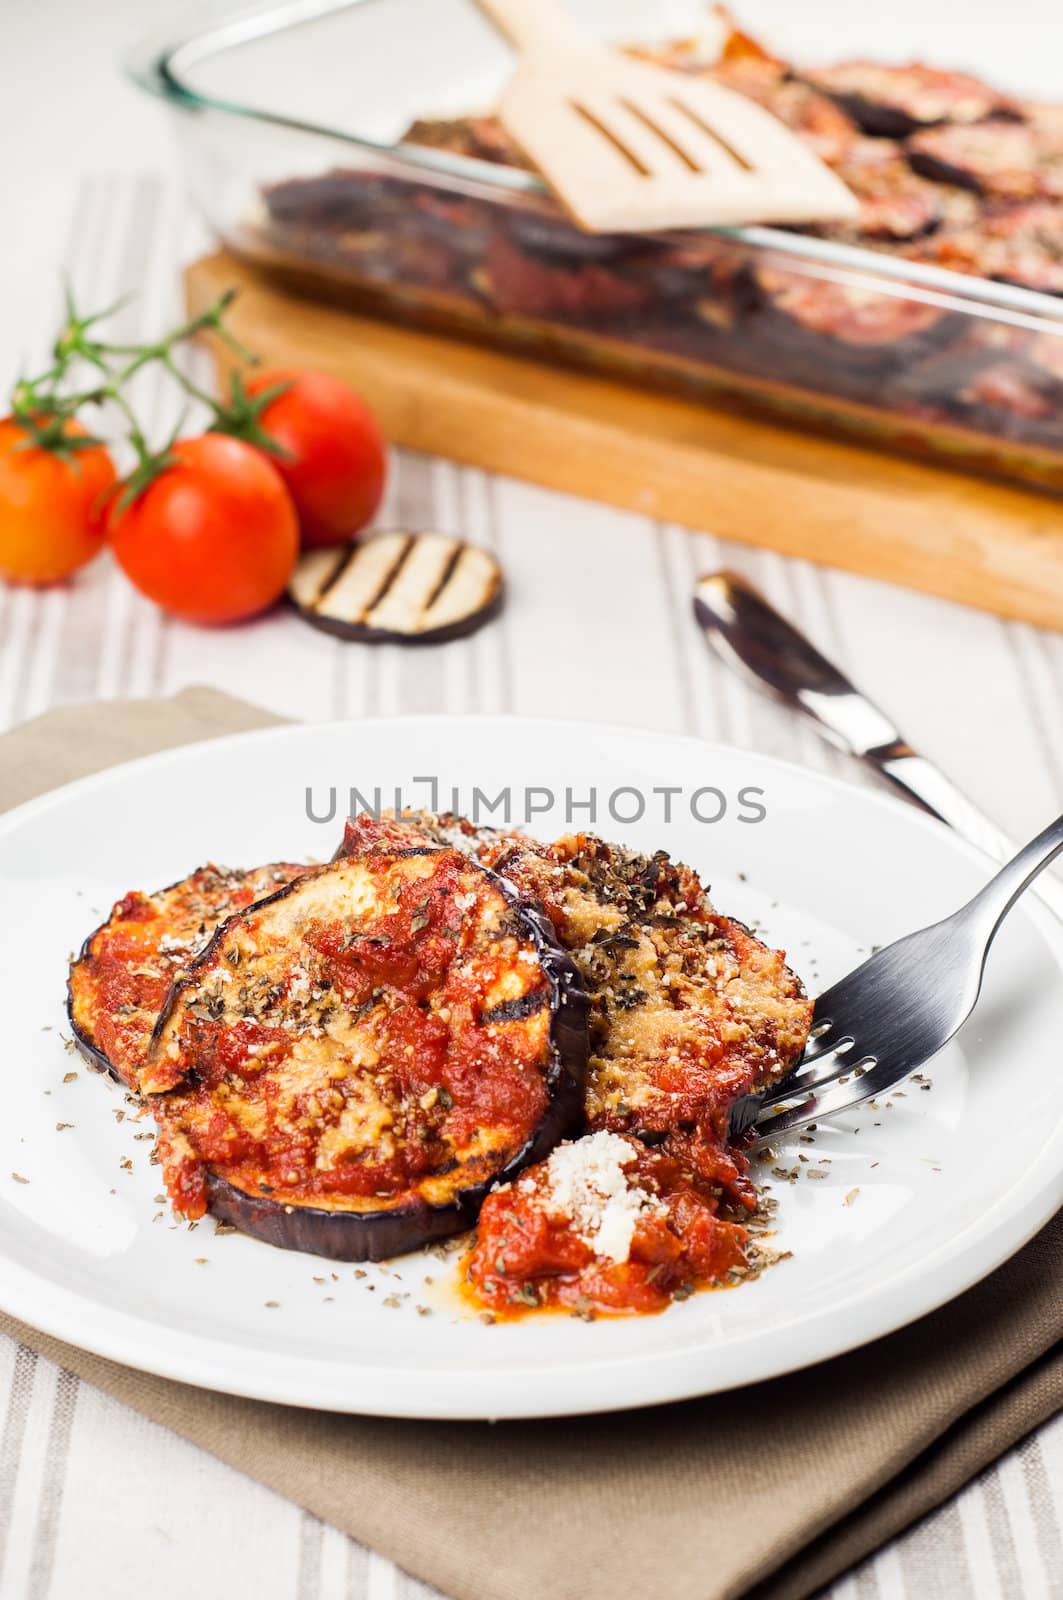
94,1500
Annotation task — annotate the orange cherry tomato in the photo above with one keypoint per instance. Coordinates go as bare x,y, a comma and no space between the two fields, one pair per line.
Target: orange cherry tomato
214,537
335,459
53,508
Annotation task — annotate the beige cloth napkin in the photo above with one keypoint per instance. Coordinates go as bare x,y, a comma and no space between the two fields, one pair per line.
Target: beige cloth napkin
772,1490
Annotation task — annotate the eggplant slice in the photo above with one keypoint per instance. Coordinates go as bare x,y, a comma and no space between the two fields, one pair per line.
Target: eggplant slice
892,102
399,588
122,975
1000,160
349,1067
896,203
690,1014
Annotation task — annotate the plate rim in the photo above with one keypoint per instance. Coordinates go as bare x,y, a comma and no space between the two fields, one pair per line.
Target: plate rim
884,798
929,1284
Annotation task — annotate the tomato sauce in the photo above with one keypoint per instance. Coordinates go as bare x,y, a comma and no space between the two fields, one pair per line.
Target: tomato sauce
689,1013
378,1053
529,1258
120,981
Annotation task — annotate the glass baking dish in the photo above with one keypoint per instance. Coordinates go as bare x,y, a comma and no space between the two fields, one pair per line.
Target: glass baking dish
291,120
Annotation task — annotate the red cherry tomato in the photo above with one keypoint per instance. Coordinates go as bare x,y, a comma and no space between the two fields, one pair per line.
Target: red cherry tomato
335,462
53,508
214,537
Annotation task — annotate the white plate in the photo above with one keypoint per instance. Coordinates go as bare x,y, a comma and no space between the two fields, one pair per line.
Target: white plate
950,1182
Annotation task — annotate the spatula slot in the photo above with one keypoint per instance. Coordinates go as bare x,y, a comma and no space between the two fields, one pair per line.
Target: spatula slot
709,132
662,134
614,139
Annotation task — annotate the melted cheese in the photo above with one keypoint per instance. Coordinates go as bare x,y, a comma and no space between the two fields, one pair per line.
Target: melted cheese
362,1125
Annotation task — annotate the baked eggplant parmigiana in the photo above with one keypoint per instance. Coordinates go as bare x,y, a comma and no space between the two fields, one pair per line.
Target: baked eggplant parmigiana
124,971
350,1065
449,1023
948,172
689,1014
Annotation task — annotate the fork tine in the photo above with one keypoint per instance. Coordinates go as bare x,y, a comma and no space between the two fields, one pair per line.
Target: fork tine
825,1043
809,1107
853,1063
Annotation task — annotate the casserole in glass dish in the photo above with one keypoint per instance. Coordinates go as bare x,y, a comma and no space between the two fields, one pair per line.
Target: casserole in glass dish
347,146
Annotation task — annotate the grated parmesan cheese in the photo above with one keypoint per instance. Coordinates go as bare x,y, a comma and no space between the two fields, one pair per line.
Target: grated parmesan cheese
587,1183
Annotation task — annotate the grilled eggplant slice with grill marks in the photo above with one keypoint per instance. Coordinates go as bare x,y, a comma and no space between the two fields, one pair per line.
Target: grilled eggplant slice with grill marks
121,977
349,1066
399,588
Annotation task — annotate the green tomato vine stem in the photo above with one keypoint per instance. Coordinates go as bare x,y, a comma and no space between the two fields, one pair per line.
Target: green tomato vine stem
45,406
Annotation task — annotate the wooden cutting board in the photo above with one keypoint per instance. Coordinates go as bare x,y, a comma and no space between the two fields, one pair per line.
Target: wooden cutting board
759,482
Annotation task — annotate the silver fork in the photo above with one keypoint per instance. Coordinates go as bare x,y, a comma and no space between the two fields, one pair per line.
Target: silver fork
896,1010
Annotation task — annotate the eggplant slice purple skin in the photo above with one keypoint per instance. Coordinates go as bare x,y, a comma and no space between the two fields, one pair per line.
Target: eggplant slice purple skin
358,633
883,117
937,170
963,155
91,1053
378,1235
877,120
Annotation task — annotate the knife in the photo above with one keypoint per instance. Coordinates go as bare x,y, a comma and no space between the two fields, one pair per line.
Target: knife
751,637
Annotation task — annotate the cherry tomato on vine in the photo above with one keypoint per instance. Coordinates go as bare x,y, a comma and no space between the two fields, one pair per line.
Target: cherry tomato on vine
213,536
53,503
331,452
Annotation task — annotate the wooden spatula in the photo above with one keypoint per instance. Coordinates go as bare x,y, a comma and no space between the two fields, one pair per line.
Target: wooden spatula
629,147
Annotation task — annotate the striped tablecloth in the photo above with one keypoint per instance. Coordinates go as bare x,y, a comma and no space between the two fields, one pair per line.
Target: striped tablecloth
94,1500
